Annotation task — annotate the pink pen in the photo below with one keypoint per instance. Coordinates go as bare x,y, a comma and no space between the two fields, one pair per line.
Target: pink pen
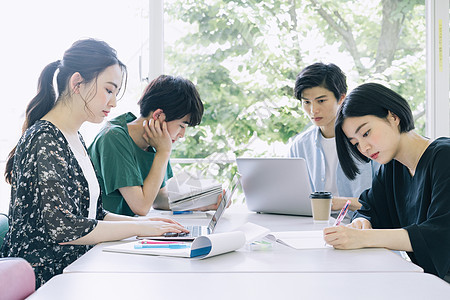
147,242
342,213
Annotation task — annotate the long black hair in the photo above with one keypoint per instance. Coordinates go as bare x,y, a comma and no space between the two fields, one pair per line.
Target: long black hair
368,99
89,57
176,96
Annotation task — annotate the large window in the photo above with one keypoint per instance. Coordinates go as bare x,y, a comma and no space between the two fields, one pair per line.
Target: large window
243,55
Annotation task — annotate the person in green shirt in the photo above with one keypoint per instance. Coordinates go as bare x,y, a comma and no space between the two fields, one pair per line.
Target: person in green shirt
131,155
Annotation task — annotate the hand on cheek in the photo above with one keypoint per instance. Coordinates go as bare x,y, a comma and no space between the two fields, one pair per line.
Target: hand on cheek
157,135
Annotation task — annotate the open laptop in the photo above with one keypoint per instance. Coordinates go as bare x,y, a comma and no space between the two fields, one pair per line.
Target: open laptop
198,230
276,185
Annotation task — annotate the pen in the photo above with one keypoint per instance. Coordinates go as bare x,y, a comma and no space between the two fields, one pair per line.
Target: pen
182,212
342,213
166,246
158,242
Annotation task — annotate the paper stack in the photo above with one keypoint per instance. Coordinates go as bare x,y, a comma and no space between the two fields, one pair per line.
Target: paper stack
187,192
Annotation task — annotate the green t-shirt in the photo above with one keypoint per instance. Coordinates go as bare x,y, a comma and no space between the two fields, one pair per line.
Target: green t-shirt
119,162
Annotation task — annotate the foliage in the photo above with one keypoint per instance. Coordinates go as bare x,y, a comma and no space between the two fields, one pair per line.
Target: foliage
244,56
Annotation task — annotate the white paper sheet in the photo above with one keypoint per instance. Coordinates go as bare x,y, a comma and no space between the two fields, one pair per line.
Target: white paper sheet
253,231
216,244
299,239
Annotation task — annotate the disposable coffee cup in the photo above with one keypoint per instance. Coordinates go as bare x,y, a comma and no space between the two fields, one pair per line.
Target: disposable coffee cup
321,206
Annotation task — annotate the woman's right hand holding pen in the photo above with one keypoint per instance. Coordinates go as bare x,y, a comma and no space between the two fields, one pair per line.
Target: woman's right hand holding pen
351,236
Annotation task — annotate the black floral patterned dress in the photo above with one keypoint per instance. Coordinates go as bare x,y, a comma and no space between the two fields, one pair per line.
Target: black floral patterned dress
49,203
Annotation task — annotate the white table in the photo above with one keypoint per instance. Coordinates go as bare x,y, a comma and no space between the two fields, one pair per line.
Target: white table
280,259
260,286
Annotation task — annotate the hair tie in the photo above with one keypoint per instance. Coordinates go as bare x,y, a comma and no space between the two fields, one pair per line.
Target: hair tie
55,81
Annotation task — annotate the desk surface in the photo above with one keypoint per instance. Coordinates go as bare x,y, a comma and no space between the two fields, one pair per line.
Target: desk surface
259,286
279,259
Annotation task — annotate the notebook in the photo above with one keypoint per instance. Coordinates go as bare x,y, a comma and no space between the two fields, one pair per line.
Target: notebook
187,191
276,185
197,230
202,246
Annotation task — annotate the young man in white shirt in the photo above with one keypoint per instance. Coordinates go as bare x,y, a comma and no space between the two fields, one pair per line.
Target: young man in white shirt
321,88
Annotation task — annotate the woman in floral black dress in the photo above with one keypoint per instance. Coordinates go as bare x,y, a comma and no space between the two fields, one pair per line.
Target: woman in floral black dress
56,210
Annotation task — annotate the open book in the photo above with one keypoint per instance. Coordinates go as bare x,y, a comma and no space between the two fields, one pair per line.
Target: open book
201,247
299,239
187,192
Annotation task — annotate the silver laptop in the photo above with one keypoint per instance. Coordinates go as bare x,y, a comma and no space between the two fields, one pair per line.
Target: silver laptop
198,230
276,185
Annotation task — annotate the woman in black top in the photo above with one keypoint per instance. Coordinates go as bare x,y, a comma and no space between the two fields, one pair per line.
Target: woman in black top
408,206
56,208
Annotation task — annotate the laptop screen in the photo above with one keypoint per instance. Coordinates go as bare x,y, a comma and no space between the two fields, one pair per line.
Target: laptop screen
224,203
276,185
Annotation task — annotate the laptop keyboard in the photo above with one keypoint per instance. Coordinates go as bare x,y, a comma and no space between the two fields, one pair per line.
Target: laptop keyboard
194,231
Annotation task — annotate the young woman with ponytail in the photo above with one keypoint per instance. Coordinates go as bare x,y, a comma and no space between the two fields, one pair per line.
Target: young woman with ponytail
56,209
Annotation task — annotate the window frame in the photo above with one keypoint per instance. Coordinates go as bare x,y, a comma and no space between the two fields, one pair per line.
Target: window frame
437,69
437,61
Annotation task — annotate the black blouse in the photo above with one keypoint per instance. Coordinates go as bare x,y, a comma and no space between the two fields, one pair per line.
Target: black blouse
49,203
420,204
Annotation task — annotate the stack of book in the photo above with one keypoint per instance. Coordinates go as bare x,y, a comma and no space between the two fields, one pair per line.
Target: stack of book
187,192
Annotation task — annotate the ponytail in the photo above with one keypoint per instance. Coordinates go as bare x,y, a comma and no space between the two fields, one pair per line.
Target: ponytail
45,99
89,57
38,107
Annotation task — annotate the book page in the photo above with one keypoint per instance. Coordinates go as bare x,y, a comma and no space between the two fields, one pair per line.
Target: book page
185,185
219,242
253,231
299,239
130,248
202,247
